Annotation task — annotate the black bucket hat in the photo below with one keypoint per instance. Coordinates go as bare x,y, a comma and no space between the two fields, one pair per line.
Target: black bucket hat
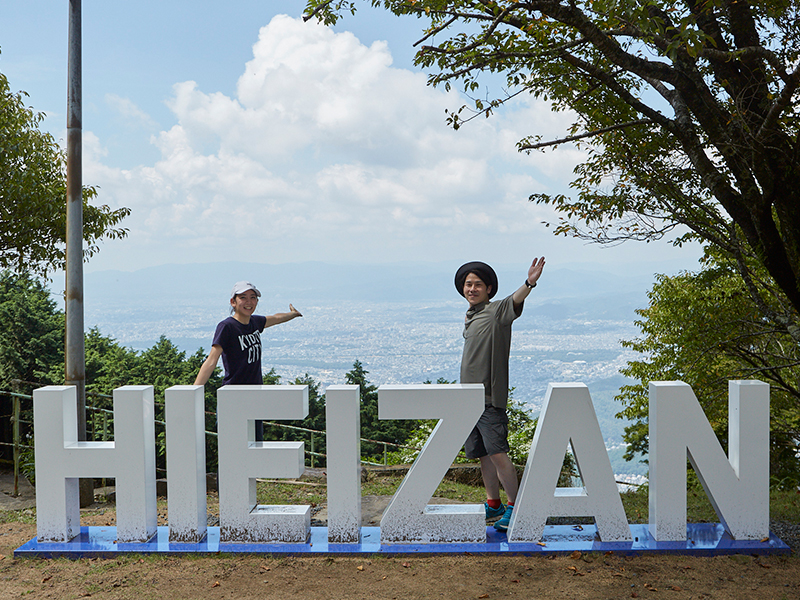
482,270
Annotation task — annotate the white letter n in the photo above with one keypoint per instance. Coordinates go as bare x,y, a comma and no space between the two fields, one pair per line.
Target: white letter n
737,486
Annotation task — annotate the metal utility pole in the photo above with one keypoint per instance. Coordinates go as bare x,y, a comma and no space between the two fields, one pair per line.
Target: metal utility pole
75,367
74,350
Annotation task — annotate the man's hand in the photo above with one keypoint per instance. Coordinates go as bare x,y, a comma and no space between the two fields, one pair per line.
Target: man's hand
296,313
535,270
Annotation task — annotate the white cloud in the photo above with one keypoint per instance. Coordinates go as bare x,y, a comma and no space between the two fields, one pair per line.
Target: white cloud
128,110
329,152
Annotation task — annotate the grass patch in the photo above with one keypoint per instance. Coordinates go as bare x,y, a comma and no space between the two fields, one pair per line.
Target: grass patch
26,515
386,485
783,505
269,492
272,492
380,485
698,508
462,492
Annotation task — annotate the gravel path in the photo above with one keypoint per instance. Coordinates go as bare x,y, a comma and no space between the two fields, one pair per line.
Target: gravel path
788,532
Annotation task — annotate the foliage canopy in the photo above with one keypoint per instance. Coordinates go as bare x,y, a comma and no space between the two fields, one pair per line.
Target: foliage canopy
372,428
704,329
33,194
31,331
687,109
689,115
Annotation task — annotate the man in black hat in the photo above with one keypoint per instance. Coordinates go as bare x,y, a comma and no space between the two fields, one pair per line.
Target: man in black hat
487,344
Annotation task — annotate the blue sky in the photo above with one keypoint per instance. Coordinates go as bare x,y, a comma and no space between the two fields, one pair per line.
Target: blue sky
235,131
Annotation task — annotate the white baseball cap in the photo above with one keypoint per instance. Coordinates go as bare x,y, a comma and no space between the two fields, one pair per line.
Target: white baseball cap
240,287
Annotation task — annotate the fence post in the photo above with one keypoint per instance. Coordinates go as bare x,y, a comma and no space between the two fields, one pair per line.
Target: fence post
91,411
16,403
385,461
105,439
312,449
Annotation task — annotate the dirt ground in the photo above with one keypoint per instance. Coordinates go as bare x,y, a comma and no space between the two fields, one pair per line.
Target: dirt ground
585,576
462,577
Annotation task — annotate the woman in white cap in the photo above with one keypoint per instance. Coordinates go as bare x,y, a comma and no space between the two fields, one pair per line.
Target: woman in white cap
238,339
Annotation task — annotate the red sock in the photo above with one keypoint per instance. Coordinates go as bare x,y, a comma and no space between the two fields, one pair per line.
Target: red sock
510,504
494,503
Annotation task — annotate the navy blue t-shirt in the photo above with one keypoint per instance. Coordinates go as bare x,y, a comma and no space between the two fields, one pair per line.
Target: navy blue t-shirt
241,350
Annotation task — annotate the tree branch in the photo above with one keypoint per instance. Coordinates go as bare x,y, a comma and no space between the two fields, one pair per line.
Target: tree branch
574,138
435,31
477,42
755,51
316,11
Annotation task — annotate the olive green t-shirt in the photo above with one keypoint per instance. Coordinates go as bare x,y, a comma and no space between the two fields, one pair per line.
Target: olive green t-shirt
487,345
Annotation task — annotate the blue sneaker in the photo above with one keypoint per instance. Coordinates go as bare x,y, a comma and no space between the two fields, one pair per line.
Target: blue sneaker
502,524
493,513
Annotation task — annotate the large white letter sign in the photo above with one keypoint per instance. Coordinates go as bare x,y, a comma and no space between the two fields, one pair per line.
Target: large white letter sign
343,436
568,417
408,518
738,487
61,459
242,459
186,463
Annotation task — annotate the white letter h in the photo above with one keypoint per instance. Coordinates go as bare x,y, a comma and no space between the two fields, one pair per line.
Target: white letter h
61,459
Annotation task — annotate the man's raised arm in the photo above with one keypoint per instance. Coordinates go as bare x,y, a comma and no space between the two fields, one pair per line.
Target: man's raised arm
534,272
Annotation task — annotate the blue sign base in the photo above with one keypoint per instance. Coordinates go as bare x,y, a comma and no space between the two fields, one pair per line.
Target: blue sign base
703,539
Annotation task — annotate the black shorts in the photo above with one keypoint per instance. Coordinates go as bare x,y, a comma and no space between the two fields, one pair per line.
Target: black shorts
490,435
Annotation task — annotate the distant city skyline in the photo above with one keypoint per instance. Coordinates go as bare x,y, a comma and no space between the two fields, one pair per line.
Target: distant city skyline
403,325
238,132
412,314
